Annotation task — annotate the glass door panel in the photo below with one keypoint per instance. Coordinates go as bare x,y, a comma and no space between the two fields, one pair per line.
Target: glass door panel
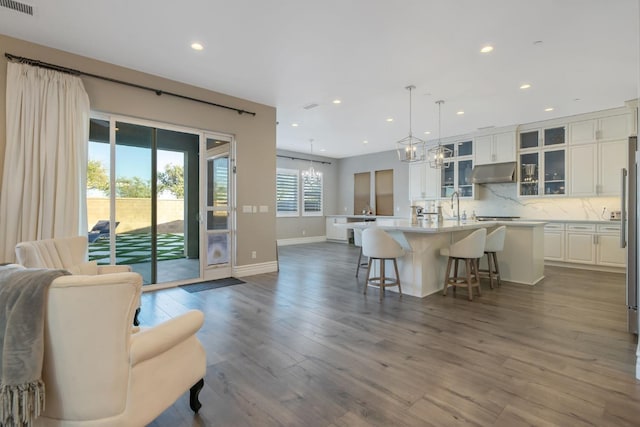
529,174
554,172
554,136
134,240
465,185
529,139
218,211
448,180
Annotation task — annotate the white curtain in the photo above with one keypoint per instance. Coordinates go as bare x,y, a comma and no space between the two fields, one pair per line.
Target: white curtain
44,176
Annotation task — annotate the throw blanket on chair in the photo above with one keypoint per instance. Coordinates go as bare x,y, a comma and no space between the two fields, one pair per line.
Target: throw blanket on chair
23,295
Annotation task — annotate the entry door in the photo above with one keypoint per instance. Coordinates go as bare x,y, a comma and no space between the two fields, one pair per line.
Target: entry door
218,222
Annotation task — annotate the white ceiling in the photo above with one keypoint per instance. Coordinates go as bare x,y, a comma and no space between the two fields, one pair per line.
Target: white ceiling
291,53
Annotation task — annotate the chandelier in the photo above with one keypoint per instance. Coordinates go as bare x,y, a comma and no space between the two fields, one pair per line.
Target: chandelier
311,175
439,156
410,149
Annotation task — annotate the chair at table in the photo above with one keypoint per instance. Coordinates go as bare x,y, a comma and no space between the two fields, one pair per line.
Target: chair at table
469,250
69,253
379,246
97,372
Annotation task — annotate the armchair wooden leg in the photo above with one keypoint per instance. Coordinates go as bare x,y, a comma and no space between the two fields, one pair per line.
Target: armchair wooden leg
194,403
136,321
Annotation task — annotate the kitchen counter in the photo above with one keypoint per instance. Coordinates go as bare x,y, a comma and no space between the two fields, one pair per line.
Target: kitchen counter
422,268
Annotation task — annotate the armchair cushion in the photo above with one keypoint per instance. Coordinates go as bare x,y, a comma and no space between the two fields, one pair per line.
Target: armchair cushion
89,268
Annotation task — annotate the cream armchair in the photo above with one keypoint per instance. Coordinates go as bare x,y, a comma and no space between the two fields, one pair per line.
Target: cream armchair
97,372
69,253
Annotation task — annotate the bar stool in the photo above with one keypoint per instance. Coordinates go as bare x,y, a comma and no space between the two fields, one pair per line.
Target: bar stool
469,249
493,244
357,240
379,246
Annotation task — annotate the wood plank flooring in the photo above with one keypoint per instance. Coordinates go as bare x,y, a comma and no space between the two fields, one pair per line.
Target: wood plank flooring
305,347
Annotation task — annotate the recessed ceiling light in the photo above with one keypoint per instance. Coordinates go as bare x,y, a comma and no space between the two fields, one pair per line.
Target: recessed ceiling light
323,150
295,125
365,142
460,113
390,119
197,46
427,132
525,86
486,49
548,109
337,101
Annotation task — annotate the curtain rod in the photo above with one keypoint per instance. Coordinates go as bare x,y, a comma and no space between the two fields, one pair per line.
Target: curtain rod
75,72
300,158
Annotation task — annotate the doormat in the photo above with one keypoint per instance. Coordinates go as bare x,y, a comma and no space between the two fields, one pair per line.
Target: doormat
211,284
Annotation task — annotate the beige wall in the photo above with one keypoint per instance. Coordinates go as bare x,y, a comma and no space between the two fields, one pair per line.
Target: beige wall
255,136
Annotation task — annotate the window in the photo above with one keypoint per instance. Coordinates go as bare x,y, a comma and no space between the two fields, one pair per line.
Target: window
312,197
286,192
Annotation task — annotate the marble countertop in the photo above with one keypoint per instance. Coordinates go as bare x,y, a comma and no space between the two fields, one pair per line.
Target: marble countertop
445,227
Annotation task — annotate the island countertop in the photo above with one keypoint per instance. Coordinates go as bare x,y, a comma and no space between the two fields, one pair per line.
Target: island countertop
446,226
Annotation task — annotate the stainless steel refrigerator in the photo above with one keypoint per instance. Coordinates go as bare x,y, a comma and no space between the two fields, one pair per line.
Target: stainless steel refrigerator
629,231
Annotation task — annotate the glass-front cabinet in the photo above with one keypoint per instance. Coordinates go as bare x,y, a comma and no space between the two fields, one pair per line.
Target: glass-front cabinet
542,162
457,175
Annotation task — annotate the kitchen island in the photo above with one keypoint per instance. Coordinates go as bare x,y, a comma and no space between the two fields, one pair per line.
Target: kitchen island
422,268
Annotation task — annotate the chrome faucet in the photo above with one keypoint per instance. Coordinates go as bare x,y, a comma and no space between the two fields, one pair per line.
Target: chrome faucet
457,196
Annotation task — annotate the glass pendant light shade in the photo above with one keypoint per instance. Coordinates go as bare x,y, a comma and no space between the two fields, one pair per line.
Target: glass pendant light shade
410,149
439,156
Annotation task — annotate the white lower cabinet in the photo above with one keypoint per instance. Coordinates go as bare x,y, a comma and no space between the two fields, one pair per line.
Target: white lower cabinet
554,242
609,251
335,232
584,243
580,247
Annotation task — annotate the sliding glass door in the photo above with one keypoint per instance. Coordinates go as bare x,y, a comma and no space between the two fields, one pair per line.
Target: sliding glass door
143,199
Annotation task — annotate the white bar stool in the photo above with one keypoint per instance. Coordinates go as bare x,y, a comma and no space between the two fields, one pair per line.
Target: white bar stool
379,245
494,244
357,240
469,249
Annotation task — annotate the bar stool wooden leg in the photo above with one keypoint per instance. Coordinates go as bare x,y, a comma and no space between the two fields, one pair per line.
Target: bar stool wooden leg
467,265
359,261
476,266
382,278
446,277
366,283
490,268
395,266
495,265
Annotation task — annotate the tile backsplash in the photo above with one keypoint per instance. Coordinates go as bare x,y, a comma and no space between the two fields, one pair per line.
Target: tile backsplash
502,200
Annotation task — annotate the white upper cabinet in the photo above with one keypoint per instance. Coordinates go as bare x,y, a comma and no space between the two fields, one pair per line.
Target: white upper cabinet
424,181
495,148
612,157
609,128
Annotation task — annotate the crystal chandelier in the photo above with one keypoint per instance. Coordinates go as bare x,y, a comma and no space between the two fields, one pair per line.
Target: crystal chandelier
311,175
410,149
439,156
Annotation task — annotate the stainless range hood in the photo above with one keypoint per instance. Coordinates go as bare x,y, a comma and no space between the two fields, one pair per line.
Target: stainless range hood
494,173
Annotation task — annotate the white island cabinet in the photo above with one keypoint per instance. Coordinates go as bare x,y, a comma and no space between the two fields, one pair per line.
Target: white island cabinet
422,268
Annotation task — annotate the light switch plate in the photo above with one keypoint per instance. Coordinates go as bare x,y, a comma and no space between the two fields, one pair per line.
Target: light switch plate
264,208
246,209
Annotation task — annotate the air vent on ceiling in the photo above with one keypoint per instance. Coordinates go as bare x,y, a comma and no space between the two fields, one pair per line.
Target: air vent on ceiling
310,106
17,6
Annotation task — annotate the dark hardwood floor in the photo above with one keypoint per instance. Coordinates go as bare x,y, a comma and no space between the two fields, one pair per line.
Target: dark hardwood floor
304,347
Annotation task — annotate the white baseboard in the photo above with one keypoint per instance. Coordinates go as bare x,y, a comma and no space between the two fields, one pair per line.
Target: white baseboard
585,266
253,269
301,240
638,362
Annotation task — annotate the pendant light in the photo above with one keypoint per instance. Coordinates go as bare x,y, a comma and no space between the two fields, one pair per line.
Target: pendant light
410,149
439,156
311,175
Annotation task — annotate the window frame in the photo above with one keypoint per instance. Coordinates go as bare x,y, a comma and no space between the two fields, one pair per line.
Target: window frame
290,172
304,195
